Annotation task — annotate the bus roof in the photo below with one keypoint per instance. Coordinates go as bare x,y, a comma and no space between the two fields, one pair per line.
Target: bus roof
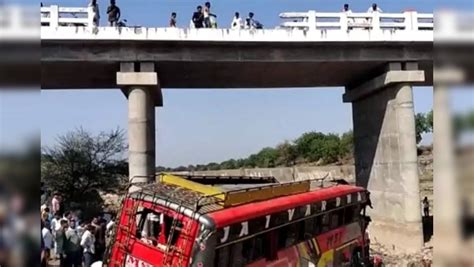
252,210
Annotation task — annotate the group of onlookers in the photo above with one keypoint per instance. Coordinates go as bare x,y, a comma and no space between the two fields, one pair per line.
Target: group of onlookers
71,240
113,13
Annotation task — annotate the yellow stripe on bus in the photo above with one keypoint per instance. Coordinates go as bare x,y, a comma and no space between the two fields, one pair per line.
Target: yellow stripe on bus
185,183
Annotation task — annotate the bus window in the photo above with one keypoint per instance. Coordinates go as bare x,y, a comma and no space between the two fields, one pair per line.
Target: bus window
168,221
334,220
148,229
153,228
324,223
222,256
309,228
349,214
287,236
254,248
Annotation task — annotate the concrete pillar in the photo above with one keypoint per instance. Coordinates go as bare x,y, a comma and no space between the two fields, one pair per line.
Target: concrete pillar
445,181
386,155
140,84
141,133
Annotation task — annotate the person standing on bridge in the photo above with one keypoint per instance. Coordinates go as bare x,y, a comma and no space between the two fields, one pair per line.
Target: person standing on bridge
207,15
236,22
374,9
198,18
114,13
173,20
95,12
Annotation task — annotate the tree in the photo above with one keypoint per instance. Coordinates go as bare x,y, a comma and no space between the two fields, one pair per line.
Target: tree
81,164
287,154
229,164
213,166
307,145
347,143
267,157
422,125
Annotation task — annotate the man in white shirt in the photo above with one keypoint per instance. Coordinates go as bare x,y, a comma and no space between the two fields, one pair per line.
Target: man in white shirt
374,8
48,239
87,242
236,22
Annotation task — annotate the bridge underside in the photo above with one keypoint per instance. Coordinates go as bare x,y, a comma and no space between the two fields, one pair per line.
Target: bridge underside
226,65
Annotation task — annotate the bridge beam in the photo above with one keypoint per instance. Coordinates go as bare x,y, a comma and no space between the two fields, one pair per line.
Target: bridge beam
140,84
386,154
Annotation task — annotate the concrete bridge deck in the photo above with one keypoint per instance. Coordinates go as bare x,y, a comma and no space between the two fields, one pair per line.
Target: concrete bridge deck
313,49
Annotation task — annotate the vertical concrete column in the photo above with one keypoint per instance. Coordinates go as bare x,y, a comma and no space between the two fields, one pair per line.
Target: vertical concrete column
141,133
140,84
408,153
445,181
386,154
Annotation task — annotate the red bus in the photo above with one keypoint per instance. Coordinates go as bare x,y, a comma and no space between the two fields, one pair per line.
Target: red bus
175,222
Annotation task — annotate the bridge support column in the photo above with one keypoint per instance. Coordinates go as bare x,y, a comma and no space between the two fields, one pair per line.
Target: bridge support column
143,92
386,154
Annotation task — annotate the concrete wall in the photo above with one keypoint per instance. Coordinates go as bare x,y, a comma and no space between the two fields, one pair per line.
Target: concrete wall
287,174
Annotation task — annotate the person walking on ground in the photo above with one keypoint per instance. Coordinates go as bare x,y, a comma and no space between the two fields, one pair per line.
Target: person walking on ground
236,22
113,11
198,18
87,243
73,246
426,207
95,13
61,243
173,20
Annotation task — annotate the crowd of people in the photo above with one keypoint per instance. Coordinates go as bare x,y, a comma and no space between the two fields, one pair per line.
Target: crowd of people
67,237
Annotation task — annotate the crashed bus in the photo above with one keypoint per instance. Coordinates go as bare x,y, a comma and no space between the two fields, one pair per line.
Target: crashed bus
205,221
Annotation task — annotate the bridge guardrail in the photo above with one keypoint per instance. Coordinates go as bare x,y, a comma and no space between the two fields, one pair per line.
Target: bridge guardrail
312,20
55,16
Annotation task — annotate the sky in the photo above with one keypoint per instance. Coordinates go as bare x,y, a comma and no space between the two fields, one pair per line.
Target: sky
201,126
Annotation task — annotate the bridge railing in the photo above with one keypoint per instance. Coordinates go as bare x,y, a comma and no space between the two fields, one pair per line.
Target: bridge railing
55,16
313,20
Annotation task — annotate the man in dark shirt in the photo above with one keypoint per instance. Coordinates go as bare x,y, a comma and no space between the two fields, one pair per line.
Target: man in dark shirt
114,13
173,20
198,18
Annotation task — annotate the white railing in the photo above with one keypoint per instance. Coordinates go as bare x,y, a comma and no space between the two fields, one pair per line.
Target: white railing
313,20
55,16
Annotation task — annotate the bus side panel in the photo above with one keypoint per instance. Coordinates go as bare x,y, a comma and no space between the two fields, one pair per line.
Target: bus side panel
328,248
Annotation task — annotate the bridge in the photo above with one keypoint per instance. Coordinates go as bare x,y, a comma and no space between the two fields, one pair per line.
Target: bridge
377,57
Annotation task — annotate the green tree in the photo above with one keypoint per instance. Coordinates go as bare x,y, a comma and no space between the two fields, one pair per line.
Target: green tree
421,126
267,157
213,166
429,120
229,164
347,143
81,165
287,154
307,145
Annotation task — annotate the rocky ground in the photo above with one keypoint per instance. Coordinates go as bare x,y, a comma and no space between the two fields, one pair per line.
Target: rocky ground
422,258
